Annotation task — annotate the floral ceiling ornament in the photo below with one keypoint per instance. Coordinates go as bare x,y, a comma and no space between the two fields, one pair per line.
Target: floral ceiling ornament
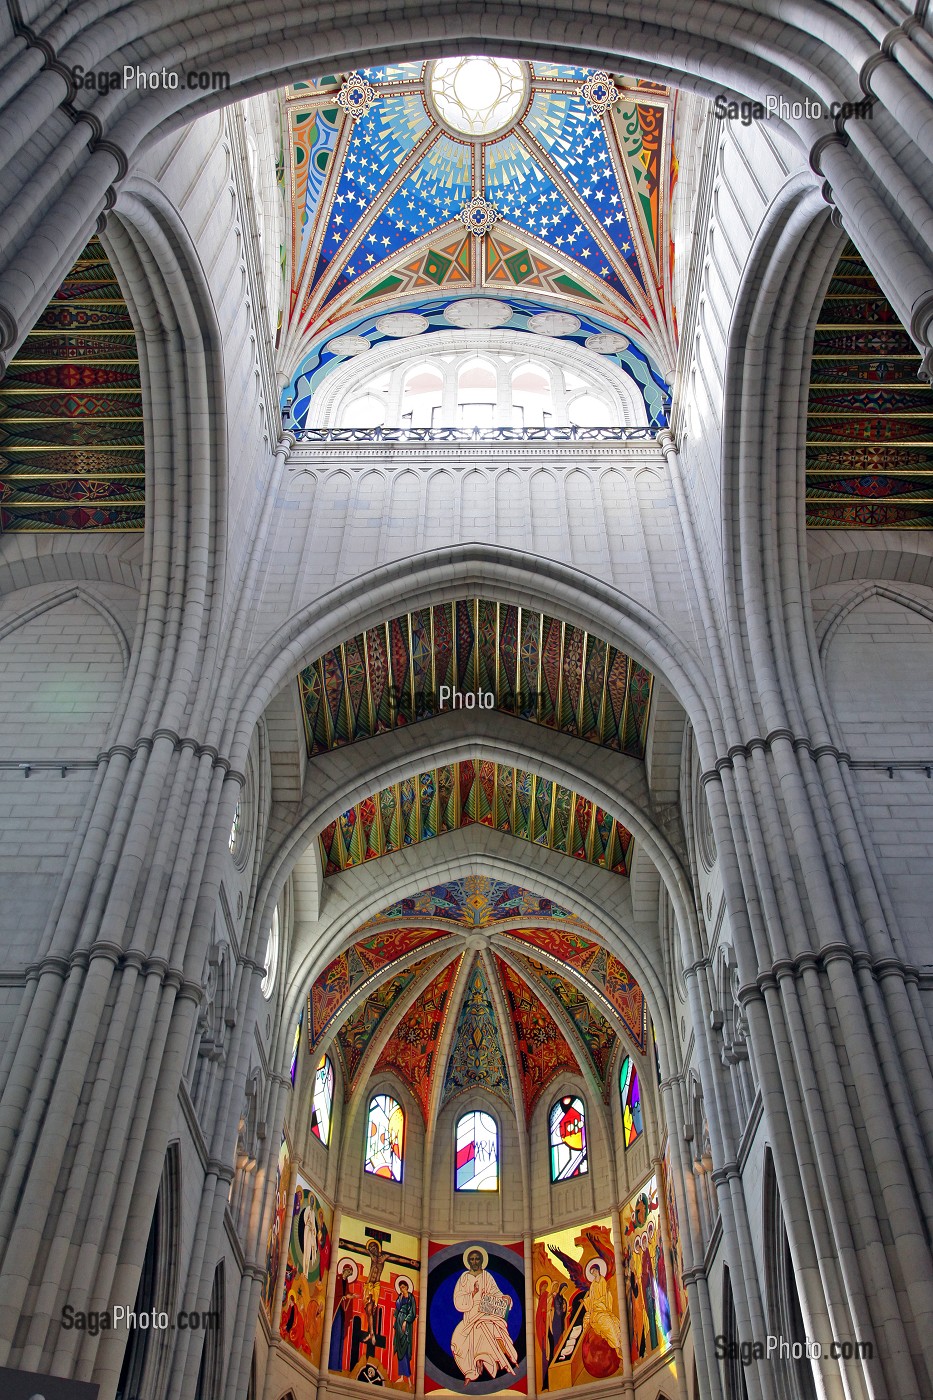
356,96
479,215
599,93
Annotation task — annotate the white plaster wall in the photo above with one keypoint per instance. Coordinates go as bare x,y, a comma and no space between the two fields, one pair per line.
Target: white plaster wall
61,671
878,664
613,518
200,172
749,166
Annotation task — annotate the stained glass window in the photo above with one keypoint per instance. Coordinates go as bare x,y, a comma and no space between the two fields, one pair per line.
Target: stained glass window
323,1101
385,1138
567,1131
476,1166
296,1046
632,1123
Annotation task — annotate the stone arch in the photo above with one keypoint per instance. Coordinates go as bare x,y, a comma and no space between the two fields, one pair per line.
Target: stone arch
65,688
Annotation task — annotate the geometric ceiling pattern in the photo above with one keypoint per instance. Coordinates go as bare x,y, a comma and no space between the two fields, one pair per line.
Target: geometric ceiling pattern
475,792
870,422
563,191
528,663
71,416
476,901
351,971
411,1049
449,1009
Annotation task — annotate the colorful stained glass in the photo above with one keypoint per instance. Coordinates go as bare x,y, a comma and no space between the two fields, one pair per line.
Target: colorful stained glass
476,1164
322,1102
567,1136
632,1122
385,1138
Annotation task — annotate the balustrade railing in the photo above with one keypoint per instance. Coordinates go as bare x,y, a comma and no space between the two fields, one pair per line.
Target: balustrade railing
570,433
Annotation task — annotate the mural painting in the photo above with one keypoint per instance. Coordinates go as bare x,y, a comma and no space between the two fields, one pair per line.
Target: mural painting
309,1250
475,1342
373,1334
673,1229
646,1284
276,1230
578,1335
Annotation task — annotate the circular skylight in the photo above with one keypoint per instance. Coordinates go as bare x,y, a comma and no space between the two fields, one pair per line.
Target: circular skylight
477,96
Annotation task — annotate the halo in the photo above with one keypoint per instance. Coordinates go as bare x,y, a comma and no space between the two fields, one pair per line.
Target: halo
475,1249
352,1265
403,1278
598,1266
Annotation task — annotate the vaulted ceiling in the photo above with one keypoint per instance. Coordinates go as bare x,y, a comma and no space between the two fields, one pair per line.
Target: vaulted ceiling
71,412
447,1009
401,183
528,664
471,792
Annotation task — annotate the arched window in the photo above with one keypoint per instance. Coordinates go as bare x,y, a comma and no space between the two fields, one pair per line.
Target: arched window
271,963
532,400
296,1046
385,1138
476,1165
477,394
422,395
234,836
567,1136
632,1122
323,1101
364,412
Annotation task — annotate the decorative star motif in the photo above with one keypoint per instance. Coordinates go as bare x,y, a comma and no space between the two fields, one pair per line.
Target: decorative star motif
356,96
479,215
599,93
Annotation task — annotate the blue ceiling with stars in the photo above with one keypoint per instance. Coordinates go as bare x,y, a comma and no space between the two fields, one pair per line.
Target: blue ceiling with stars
559,191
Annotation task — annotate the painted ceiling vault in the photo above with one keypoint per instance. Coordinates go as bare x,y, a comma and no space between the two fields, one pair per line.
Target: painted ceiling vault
478,175
472,792
71,411
446,1008
870,422
531,665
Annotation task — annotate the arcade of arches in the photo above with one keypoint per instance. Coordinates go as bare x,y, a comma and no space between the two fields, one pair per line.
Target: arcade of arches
466,620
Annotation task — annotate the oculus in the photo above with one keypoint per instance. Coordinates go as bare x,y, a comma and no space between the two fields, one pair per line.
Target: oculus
477,96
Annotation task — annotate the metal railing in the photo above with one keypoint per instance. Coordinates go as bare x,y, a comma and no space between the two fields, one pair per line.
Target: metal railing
570,433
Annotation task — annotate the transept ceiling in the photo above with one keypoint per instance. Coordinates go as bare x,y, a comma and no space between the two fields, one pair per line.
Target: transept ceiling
528,663
71,412
447,1009
473,791
870,422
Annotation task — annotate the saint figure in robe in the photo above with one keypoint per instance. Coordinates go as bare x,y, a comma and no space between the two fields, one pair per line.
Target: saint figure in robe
481,1340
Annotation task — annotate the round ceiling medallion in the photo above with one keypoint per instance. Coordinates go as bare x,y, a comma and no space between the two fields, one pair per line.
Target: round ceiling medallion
553,323
402,323
477,96
348,345
608,343
478,314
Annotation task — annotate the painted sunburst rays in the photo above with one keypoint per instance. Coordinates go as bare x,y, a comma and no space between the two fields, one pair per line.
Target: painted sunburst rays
533,1003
